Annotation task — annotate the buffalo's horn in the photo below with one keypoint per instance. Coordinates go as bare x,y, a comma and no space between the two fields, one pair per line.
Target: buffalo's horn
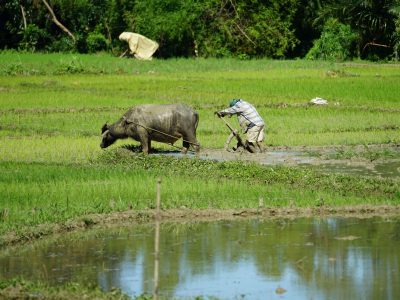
105,127
105,133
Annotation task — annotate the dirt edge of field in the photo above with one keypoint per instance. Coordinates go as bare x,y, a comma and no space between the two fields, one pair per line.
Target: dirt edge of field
185,215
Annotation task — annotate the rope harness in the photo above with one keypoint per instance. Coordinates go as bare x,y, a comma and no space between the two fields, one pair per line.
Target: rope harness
166,134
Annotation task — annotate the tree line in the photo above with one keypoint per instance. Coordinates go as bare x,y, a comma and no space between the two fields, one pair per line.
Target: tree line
316,29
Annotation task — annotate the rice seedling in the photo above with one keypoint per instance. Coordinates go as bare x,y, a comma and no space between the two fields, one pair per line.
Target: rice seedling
35,193
53,106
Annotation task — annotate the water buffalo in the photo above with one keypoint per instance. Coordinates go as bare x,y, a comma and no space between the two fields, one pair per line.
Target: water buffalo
162,123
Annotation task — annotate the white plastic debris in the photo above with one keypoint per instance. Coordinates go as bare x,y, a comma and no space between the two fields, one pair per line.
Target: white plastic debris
319,101
141,47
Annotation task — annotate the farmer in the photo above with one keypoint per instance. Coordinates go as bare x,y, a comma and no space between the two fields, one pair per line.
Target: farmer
249,120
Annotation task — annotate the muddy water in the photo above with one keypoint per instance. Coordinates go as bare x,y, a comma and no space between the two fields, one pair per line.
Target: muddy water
386,169
389,170
306,258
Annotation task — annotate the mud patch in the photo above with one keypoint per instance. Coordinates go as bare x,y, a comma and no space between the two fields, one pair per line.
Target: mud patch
371,160
374,160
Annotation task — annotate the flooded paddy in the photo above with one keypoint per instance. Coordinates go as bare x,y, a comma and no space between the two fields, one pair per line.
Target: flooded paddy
316,159
303,258
321,159
380,169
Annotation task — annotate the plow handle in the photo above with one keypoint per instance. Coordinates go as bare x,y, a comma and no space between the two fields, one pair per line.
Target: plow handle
234,132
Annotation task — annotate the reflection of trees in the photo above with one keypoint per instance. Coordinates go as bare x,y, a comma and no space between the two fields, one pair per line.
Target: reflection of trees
367,267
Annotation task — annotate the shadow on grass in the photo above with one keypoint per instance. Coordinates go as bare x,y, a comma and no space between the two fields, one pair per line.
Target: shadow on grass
138,149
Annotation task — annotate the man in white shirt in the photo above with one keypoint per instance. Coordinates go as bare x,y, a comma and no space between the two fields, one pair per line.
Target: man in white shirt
249,120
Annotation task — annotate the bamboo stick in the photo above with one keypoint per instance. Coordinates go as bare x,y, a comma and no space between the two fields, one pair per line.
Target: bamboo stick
157,242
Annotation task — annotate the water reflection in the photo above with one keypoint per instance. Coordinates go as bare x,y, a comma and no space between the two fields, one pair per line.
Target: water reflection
309,258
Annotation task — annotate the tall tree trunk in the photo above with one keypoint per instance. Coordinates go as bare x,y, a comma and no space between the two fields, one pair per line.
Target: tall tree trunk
23,16
58,23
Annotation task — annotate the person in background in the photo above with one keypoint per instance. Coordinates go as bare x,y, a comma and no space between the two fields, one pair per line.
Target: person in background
249,120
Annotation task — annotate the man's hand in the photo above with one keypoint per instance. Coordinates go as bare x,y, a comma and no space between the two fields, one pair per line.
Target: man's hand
218,114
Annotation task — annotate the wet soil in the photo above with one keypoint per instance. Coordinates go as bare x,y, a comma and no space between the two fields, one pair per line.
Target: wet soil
362,160
381,160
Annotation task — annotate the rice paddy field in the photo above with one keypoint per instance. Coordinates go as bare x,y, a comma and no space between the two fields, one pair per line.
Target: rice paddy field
52,107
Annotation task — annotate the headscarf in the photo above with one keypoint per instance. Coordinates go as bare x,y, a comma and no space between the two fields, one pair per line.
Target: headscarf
233,102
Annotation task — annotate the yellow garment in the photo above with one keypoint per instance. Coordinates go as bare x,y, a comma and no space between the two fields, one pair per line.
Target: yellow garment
141,47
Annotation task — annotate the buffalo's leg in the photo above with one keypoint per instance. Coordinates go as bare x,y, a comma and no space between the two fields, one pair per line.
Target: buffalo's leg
144,140
196,145
190,140
185,148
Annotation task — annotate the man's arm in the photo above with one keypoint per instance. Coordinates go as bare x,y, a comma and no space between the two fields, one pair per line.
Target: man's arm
230,111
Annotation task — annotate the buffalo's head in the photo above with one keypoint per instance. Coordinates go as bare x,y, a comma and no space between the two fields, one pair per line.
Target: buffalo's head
107,138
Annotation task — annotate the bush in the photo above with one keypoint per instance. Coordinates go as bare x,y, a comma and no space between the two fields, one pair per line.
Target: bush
72,66
337,42
33,38
65,44
96,42
396,48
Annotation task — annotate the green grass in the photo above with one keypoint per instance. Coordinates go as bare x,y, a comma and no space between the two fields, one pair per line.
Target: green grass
20,288
52,107
363,98
36,193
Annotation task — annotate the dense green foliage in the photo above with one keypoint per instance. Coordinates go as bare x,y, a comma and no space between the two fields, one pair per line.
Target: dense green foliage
376,23
211,28
336,42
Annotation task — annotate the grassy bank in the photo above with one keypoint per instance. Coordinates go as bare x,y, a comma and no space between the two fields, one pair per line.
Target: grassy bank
53,106
38,193
22,289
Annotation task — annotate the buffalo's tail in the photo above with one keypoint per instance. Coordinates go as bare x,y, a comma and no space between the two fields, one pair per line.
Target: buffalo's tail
196,119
